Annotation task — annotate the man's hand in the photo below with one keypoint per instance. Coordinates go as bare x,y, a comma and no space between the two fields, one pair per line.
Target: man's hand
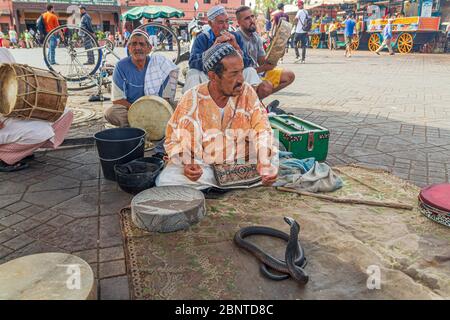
193,171
268,173
227,37
122,102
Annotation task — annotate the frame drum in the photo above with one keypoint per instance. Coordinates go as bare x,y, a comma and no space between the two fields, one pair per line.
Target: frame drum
151,113
277,46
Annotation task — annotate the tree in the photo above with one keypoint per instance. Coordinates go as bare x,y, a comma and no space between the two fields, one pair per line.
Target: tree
261,6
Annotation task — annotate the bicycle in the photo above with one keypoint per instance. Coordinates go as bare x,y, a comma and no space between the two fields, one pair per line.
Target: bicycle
166,40
78,57
83,62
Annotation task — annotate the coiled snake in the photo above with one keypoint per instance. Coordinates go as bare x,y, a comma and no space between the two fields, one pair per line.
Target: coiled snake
295,259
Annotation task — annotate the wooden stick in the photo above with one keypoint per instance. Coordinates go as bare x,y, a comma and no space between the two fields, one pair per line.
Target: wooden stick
349,200
356,179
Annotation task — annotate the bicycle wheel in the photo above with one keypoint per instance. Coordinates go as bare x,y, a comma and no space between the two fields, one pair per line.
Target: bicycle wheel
72,52
164,40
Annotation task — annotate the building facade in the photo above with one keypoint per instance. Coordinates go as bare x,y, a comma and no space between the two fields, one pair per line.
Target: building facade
22,14
187,6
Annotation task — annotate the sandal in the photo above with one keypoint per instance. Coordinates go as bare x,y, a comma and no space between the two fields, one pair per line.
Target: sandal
4,167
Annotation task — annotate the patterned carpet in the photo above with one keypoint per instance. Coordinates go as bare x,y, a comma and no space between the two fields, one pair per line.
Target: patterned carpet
342,242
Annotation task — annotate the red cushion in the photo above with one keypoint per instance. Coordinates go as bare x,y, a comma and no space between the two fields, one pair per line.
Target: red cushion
437,195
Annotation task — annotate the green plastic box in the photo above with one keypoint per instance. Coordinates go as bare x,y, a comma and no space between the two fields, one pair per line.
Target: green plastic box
303,138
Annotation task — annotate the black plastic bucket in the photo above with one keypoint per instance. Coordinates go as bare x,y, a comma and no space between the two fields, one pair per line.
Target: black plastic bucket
138,175
117,146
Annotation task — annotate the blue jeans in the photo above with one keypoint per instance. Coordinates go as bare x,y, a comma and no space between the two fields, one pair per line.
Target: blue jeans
303,39
52,48
88,45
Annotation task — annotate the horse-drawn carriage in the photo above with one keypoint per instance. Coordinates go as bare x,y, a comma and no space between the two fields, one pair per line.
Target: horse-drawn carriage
407,33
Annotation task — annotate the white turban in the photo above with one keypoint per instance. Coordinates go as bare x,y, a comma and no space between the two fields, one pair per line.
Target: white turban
215,12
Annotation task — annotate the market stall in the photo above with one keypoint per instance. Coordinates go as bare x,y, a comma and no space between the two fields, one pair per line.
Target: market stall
323,13
416,23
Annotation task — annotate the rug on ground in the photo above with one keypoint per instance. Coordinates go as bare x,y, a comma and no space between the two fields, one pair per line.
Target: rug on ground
345,245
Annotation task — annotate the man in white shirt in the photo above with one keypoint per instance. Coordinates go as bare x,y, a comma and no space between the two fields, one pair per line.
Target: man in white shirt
300,34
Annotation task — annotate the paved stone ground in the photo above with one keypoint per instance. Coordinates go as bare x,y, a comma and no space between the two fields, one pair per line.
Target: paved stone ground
390,112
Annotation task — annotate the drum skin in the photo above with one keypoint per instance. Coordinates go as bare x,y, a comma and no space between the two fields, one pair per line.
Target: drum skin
31,93
151,113
277,46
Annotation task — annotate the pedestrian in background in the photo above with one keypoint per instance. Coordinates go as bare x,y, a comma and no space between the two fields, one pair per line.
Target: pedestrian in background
51,22
349,31
12,37
126,36
152,32
387,38
28,40
2,36
280,15
300,34
332,34
86,23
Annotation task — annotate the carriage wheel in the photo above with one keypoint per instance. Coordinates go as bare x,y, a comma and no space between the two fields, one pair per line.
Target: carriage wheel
405,43
355,43
315,40
374,42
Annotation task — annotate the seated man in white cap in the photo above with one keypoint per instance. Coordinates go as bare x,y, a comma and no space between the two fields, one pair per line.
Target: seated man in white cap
220,121
218,33
139,75
19,138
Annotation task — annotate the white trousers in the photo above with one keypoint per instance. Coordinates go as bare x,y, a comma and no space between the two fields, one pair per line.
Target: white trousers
173,175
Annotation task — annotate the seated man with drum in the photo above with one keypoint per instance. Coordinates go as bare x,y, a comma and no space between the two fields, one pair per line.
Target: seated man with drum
273,77
140,75
218,33
19,138
218,122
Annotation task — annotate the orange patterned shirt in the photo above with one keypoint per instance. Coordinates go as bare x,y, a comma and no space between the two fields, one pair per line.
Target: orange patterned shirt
199,128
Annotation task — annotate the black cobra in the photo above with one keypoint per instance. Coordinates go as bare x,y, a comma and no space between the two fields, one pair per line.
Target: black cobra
295,259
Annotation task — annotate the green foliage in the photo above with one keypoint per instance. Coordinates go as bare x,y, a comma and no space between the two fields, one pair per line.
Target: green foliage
262,5
100,35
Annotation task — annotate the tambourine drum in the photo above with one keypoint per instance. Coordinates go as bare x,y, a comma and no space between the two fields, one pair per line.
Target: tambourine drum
28,92
277,46
152,114
47,276
434,202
